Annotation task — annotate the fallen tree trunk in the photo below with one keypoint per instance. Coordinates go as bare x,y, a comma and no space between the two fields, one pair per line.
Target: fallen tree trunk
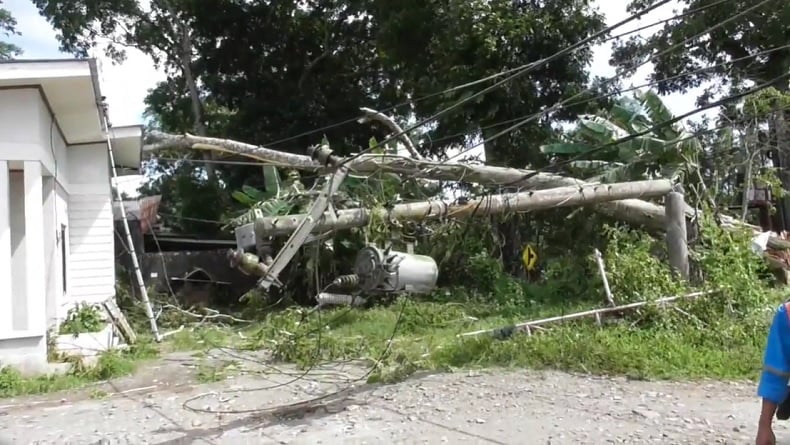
492,204
632,211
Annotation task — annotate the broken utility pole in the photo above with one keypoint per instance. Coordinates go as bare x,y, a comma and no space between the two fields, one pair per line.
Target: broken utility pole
489,205
630,210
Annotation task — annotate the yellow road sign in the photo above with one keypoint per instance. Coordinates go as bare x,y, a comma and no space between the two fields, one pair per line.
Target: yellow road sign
529,257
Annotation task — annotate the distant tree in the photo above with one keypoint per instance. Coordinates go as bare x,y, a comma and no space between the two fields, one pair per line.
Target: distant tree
7,28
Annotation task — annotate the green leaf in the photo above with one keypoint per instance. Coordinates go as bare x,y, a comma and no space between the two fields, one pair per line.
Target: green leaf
276,207
243,198
373,145
604,128
271,180
565,148
255,194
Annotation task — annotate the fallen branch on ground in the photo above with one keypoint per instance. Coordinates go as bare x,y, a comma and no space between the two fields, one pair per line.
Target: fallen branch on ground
530,325
213,314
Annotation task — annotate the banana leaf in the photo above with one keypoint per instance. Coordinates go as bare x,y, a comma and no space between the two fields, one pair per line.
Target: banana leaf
243,198
566,148
271,180
658,112
603,128
255,194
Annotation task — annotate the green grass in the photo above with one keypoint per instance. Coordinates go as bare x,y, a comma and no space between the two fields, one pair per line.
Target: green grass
427,338
666,346
110,365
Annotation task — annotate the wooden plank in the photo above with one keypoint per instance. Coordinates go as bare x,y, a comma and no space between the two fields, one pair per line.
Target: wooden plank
120,321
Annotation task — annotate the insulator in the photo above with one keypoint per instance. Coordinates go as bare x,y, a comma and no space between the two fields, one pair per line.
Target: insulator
323,154
346,280
326,299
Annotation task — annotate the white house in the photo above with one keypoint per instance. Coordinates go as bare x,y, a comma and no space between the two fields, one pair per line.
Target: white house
56,221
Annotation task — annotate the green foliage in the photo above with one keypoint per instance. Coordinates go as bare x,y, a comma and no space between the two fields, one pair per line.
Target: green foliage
632,254
665,152
111,364
83,318
8,28
185,192
761,29
718,335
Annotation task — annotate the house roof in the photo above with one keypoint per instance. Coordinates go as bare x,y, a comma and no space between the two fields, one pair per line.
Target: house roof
70,88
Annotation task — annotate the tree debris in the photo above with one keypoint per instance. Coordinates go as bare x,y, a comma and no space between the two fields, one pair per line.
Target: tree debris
528,326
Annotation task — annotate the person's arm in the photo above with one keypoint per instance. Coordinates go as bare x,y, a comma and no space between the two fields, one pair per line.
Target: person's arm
776,367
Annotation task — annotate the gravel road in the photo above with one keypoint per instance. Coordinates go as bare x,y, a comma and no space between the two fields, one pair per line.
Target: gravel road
491,407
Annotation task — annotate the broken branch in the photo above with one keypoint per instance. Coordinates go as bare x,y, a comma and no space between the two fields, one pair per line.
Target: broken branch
373,115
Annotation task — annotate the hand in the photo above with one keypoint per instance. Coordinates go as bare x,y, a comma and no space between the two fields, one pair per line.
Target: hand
765,436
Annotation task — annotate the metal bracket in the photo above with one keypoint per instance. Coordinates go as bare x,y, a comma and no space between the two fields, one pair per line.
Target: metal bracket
305,228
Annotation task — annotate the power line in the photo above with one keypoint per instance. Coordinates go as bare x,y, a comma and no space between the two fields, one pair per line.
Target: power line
520,72
484,79
533,116
656,127
615,93
561,104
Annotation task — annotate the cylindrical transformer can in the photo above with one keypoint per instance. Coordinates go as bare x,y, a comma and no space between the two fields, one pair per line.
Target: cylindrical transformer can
392,271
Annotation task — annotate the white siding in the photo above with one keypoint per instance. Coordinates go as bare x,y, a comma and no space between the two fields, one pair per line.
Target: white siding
91,273
91,252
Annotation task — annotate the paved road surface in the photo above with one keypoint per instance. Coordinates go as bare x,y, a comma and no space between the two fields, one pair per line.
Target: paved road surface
493,407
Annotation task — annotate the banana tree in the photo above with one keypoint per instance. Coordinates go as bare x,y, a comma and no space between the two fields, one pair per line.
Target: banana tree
278,197
668,151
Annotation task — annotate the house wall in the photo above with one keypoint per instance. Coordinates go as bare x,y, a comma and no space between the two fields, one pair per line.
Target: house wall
27,131
33,164
91,266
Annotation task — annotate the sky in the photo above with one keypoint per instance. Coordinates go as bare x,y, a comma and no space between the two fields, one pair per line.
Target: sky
125,86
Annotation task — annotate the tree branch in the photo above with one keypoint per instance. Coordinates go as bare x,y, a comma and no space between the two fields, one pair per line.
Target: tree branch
373,115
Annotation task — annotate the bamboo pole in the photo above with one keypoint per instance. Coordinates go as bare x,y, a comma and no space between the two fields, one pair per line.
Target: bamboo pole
490,205
529,325
602,271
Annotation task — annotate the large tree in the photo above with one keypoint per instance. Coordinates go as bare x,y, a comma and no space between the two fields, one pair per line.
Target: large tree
462,41
753,35
7,29
739,42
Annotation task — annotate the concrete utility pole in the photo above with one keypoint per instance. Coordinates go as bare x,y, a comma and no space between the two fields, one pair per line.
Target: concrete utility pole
489,205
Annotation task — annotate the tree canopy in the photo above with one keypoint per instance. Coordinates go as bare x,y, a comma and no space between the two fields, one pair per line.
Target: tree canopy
7,28
753,35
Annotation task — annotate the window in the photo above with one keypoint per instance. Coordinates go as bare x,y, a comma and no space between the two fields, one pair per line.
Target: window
63,255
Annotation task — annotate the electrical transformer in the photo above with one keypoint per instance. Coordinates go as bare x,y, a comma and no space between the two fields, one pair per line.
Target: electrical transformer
388,271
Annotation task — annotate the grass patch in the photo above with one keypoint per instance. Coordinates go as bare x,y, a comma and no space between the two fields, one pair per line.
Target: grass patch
110,365
427,339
